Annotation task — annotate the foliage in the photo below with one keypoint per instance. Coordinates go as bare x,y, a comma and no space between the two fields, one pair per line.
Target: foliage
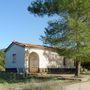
51,7
1,60
71,34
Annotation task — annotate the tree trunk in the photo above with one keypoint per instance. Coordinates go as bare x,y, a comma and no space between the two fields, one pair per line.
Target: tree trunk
78,67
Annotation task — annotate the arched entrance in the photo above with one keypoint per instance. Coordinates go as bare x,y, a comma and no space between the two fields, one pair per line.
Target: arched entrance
33,63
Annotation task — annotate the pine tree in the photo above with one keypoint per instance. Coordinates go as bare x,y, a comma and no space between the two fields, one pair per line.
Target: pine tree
71,34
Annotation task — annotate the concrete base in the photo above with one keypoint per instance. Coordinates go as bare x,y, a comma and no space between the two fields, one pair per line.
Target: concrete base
11,70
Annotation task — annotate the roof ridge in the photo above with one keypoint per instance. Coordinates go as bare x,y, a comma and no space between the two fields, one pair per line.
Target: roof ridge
29,45
16,42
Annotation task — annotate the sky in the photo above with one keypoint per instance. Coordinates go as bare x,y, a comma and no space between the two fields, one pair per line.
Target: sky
16,23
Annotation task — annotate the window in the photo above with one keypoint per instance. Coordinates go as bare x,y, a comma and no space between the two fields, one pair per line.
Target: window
14,58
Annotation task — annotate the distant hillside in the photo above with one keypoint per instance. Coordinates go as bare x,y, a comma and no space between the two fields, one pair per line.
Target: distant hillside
2,50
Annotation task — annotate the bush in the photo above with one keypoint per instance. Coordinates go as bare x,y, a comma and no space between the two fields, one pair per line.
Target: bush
86,65
2,57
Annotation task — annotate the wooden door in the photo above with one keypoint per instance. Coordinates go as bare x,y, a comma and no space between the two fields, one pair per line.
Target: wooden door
33,63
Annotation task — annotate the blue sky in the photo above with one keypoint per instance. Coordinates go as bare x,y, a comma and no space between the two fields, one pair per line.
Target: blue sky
16,23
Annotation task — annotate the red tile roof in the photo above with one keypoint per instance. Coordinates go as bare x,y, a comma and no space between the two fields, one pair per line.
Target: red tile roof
29,45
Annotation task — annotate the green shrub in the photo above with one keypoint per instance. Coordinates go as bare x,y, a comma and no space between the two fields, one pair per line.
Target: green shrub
2,57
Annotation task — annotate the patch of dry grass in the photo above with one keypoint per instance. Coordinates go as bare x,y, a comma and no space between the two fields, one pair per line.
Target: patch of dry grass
33,85
9,81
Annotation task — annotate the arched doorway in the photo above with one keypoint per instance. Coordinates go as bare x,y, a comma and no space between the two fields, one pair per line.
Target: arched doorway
33,63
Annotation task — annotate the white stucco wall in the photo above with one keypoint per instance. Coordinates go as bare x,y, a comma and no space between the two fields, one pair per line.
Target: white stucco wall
48,59
20,55
42,60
